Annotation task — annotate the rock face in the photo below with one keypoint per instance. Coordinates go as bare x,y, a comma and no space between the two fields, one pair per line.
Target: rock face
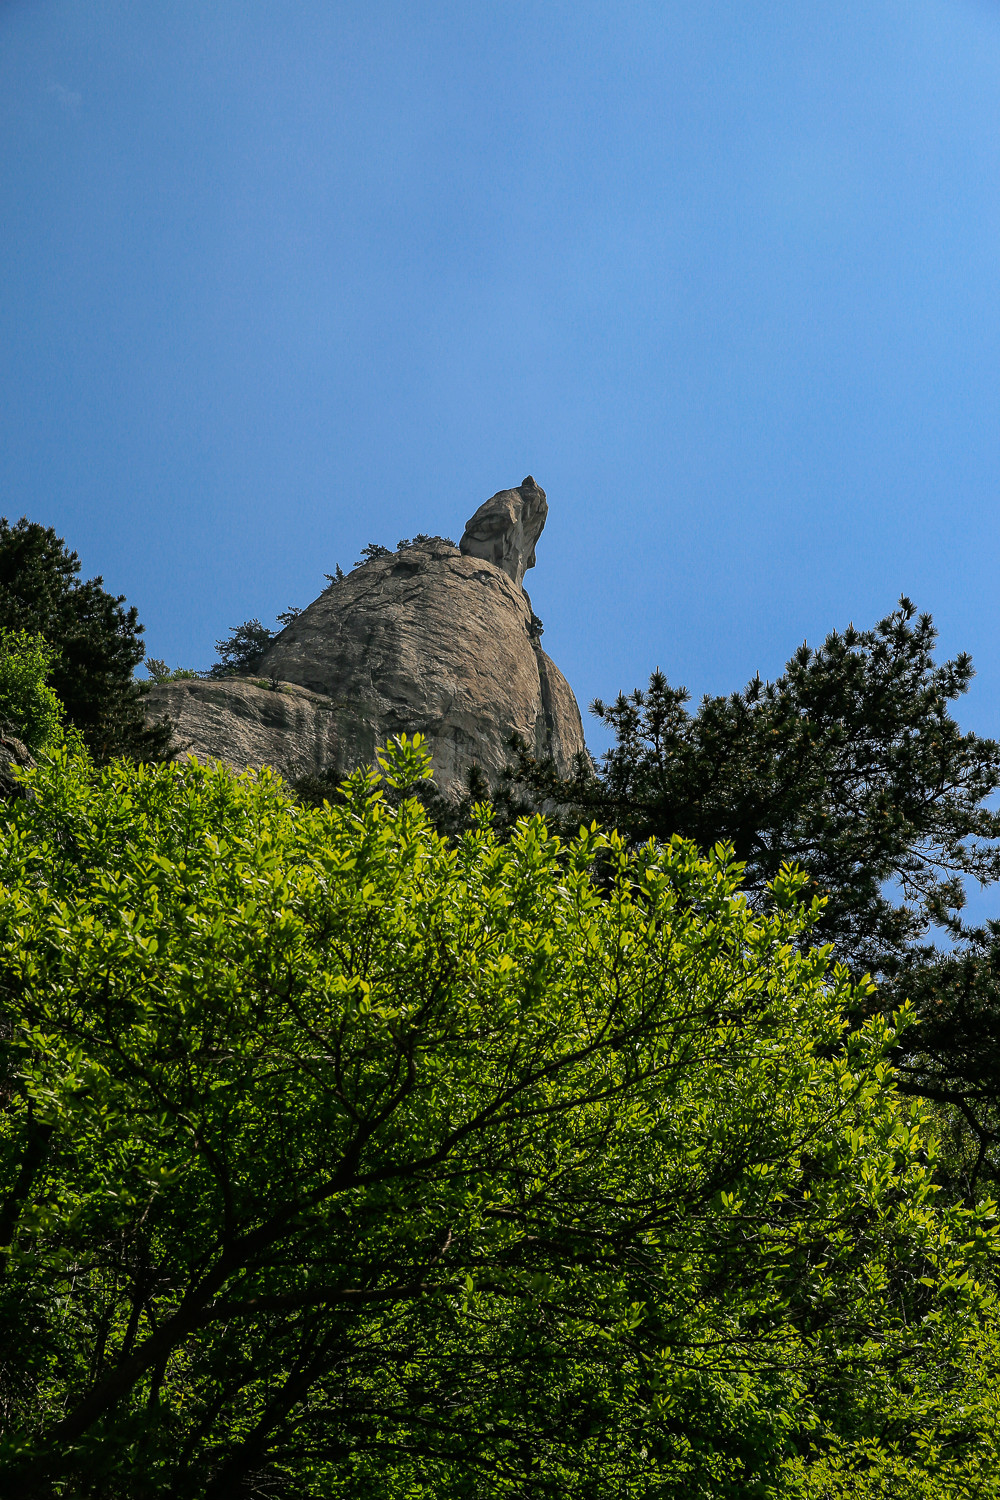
14,756
504,530
434,639
249,724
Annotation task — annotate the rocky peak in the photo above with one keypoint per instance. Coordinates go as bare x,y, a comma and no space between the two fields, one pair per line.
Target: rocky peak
431,639
504,530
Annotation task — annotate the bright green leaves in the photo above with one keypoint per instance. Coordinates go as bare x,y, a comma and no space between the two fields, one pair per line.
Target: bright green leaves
405,762
29,708
446,1169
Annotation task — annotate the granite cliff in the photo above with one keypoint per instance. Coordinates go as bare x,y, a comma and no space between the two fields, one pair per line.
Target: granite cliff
435,639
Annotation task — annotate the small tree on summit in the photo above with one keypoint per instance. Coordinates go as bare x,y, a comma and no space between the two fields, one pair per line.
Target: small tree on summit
369,553
241,649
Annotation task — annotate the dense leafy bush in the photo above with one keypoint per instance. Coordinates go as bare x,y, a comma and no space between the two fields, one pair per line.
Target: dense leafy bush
29,708
340,1160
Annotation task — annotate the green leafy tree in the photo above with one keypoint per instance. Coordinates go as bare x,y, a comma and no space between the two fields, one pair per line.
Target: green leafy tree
97,638
338,1159
29,708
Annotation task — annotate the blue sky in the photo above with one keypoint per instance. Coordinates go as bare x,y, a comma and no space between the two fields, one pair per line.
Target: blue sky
278,280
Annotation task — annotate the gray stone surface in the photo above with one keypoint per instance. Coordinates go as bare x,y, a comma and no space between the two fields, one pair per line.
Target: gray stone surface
249,724
504,530
14,756
431,640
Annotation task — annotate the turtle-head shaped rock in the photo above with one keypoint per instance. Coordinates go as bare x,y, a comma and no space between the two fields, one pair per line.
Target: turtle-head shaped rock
504,530
421,640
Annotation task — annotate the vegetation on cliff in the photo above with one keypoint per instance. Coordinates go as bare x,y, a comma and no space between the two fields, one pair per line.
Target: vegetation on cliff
29,708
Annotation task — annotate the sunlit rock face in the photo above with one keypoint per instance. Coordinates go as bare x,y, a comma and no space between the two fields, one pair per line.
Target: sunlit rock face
250,723
434,639
505,529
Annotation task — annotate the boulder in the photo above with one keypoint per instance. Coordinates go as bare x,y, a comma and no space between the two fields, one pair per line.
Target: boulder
433,639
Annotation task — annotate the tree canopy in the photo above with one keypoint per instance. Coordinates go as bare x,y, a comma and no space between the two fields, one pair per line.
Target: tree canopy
339,1158
96,639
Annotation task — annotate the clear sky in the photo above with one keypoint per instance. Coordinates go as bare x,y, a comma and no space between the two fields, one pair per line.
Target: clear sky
277,280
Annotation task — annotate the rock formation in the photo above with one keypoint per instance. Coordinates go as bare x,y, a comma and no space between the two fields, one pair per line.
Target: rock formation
14,756
248,723
504,530
434,639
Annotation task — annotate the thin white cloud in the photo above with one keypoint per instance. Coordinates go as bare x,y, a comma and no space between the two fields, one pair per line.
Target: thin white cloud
68,99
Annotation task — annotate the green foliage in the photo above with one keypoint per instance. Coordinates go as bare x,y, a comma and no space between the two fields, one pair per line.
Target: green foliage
955,1059
29,708
97,641
241,650
448,814
849,766
369,553
159,671
375,549
339,1160
406,542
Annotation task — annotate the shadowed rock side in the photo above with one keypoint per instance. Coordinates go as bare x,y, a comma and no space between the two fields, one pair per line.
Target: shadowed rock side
426,640
14,756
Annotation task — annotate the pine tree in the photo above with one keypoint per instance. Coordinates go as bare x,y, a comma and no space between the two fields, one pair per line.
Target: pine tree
851,767
97,636
241,649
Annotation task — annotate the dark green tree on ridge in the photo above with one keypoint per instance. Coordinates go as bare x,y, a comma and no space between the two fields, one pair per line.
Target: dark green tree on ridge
97,636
